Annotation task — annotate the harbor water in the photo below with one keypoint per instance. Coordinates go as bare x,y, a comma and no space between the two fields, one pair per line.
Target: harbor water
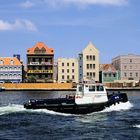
120,122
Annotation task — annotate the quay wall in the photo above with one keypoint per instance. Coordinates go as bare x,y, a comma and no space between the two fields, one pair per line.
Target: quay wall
37,86
58,86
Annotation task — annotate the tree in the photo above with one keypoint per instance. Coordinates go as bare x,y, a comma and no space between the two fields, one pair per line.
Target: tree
31,79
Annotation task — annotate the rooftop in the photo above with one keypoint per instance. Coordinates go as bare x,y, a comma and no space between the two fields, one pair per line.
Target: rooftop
7,61
40,48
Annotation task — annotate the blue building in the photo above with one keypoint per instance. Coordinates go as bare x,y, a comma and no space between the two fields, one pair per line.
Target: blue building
10,70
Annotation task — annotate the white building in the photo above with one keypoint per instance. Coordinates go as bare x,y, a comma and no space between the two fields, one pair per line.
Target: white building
67,70
128,65
10,70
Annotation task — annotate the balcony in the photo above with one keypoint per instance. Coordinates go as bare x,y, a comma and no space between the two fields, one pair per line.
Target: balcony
40,71
40,63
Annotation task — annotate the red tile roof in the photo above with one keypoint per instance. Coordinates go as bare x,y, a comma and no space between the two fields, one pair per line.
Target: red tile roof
40,46
107,67
9,61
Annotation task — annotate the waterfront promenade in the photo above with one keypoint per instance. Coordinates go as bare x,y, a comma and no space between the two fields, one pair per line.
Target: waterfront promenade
37,86
53,87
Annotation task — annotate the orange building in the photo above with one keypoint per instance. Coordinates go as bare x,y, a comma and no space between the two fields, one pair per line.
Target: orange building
40,61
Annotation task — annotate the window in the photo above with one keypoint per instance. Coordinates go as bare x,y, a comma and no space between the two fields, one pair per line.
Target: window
93,66
87,74
67,70
136,74
90,74
36,50
93,74
130,74
1,62
100,88
73,77
91,88
73,64
114,75
62,64
125,67
87,57
125,74
109,74
62,70
11,62
80,89
68,77
94,57
90,57
43,76
63,77
90,66
87,66
72,70
67,64
130,60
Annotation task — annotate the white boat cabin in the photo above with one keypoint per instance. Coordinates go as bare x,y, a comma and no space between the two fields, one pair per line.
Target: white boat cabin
90,93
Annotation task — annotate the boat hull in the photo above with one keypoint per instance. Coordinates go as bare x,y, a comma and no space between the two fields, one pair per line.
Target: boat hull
64,105
69,108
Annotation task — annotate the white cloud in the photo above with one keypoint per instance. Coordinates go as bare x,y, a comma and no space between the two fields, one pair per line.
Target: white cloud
27,4
17,25
85,2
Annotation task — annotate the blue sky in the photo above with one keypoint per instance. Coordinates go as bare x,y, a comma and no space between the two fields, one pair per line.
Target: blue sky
113,26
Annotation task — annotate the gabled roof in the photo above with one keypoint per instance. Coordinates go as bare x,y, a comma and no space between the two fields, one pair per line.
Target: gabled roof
91,47
40,46
107,68
9,61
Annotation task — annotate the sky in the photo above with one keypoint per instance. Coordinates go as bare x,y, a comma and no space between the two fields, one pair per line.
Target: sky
67,26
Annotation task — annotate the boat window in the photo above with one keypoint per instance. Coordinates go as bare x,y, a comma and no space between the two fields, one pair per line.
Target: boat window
80,89
91,88
100,88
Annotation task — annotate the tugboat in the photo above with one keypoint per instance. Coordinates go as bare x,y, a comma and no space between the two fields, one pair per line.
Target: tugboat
89,97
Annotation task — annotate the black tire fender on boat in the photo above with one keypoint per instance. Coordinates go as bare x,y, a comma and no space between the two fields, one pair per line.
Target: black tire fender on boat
124,97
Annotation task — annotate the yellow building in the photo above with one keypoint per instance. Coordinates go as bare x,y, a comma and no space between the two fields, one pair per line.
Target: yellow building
89,63
40,61
67,70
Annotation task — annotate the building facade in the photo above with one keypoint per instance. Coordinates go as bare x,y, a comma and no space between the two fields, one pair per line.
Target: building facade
40,59
10,70
55,71
108,73
67,70
128,65
89,63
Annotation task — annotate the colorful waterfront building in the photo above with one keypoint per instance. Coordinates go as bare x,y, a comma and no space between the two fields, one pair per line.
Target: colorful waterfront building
128,65
40,59
10,70
55,71
108,73
89,63
67,70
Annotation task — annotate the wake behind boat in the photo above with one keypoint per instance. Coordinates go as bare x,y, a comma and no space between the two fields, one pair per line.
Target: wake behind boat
89,97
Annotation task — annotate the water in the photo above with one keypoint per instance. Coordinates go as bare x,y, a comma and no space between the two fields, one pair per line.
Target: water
121,122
